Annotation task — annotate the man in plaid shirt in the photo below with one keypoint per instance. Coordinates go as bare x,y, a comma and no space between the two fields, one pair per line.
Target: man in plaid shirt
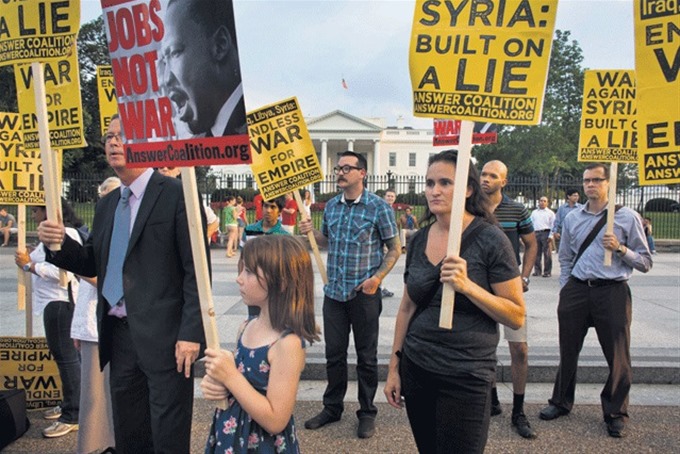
356,225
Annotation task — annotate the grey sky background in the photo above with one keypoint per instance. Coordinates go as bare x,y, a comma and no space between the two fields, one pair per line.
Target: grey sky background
305,48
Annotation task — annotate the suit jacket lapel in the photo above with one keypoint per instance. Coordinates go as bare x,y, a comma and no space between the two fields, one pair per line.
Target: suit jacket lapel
151,194
108,213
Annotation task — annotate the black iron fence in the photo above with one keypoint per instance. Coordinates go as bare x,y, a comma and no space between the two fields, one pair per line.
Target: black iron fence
660,203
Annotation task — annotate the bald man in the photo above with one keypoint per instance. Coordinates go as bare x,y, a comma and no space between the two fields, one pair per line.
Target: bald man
514,219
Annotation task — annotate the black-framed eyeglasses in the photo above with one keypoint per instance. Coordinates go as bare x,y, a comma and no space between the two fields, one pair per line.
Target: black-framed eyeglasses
593,180
110,136
344,169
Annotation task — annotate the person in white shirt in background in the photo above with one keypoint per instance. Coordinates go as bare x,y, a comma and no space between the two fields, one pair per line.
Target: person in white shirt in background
56,304
96,417
543,219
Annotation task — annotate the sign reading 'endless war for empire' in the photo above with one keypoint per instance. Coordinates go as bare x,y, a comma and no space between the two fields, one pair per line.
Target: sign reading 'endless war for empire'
21,178
284,158
657,70
41,31
608,119
26,363
481,60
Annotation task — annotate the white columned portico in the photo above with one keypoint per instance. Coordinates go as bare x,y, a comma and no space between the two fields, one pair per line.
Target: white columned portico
376,156
350,144
324,156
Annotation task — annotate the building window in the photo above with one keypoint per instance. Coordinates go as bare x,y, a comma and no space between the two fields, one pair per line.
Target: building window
411,159
393,159
249,181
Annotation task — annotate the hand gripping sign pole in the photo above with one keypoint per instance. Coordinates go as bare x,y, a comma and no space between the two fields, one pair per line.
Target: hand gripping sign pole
312,240
197,237
611,208
456,223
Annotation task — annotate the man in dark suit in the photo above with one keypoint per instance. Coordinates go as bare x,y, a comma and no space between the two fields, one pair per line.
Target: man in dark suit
153,333
200,68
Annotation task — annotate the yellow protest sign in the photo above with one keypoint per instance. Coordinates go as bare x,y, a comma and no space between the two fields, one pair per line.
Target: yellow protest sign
21,179
42,30
64,110
657,67
283,154
26,363
481,60
106,90
608,118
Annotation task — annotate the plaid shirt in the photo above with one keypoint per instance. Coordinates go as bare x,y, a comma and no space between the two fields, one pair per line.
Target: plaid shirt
356,234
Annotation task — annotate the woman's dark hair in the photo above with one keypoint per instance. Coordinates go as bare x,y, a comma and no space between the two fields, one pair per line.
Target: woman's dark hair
68,215
477,204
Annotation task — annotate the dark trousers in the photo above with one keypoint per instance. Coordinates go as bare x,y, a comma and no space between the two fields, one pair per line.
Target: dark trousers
360,315
609,310
57,318
544,251
151,408
447,414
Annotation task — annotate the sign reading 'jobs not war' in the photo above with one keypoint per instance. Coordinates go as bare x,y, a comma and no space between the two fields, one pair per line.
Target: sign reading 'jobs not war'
657,69
481,60
608,118
21,179
284,158
64,108
177,81
42,30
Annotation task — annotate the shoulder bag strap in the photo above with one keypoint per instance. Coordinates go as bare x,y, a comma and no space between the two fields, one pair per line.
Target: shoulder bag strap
591,236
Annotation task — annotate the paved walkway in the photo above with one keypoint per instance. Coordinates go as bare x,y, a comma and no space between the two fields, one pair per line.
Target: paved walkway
655,397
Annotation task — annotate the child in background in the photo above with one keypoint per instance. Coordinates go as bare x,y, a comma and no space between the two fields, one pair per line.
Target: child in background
259,416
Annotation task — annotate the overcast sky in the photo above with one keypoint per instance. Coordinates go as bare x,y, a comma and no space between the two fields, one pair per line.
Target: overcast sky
305,48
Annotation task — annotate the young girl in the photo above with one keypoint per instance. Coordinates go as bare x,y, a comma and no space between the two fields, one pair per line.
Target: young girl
275,274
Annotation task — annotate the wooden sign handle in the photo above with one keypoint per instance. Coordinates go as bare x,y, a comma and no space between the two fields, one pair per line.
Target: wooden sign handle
310,237
47,157
611,208
456,223
193,207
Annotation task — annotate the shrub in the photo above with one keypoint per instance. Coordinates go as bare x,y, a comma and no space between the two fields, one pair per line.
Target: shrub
661,204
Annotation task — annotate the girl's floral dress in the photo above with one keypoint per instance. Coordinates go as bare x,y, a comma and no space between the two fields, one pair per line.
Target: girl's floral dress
233,430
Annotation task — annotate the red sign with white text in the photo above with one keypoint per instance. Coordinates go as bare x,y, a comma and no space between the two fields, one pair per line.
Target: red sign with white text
447,132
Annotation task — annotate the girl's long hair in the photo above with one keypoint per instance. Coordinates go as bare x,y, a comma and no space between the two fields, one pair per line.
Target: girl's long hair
478,204
286,268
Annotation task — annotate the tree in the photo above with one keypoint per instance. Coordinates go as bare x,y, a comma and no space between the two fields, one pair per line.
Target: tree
550,148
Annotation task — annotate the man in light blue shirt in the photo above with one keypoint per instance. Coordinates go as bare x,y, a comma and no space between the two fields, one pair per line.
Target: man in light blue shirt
564,209
596,295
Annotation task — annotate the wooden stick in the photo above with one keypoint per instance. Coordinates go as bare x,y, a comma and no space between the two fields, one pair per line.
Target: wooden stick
191,200
611,208
57,162
46,156
29,308
21,245
457,211
310,237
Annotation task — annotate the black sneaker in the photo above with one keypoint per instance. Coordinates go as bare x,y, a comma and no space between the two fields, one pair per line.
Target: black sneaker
387,294
320,420
366,427
496,408
521,424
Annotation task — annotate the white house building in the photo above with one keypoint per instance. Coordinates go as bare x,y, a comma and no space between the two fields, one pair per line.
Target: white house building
399,150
